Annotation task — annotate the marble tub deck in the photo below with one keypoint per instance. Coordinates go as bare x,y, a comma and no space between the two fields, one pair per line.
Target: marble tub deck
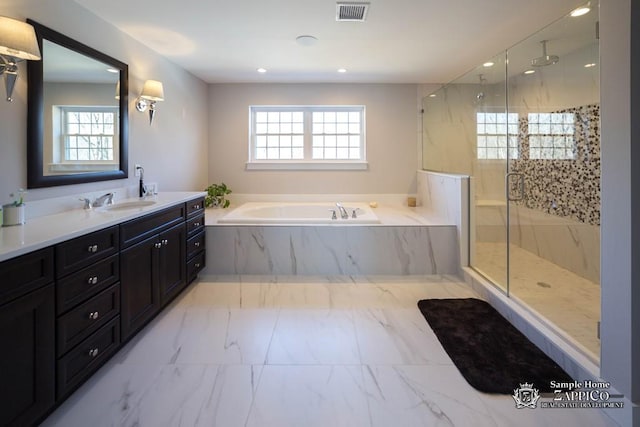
406,242
296,351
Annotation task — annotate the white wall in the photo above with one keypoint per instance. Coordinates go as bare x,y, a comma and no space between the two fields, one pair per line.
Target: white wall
620,288
173,151
391,122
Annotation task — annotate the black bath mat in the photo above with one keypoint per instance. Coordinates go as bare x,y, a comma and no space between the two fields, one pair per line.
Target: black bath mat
490,353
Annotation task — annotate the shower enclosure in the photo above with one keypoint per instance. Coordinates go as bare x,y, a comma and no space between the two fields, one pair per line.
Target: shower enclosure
524,126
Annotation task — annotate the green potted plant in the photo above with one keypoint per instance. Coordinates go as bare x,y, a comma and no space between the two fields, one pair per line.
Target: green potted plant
216,196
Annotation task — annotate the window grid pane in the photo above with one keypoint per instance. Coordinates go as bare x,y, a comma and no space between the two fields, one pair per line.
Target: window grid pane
551,136
332,134
279,132
497,136
89,135
336,135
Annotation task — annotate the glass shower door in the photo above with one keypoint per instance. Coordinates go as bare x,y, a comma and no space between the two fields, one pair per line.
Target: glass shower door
492,144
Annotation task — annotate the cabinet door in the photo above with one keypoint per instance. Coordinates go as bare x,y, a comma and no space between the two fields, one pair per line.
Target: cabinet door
139,286
27,360
173,257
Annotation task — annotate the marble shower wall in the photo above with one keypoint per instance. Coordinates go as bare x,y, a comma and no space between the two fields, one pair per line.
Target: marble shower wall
570,244
446,197
332,250
565,188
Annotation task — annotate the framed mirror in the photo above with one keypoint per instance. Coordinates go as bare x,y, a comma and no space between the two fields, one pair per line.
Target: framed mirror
77,120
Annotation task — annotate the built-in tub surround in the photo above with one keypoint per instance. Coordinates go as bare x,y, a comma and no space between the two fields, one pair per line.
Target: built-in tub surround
403,243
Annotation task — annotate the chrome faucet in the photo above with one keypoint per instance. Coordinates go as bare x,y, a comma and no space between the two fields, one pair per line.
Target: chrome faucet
100,201
87,203
343,211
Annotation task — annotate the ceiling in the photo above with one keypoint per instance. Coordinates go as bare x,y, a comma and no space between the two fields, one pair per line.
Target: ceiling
402,41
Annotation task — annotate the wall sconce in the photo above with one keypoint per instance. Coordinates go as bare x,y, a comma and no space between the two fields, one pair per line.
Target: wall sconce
152,92
17,42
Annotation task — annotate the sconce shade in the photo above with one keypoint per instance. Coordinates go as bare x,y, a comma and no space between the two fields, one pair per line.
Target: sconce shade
18,39
152,91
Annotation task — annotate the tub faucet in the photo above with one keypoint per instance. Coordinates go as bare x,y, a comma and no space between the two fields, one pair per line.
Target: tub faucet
343,211
100,201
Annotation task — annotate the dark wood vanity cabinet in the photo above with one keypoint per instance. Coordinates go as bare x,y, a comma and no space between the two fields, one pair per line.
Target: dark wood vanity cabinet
154,269
88,302
27,334
196,240
66,309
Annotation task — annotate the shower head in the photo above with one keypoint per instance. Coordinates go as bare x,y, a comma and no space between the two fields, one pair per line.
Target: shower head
545,59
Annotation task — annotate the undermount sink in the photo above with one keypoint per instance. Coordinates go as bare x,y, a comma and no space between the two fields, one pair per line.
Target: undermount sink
124,206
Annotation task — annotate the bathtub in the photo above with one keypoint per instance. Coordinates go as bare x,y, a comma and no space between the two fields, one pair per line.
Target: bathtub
298,213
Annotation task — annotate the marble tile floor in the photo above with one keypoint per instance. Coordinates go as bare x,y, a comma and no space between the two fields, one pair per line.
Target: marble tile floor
567,300
296,351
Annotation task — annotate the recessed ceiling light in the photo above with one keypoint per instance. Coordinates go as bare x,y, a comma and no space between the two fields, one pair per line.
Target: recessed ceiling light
583,10
433,95
592,64
113,70
306,40
529,71
488,64
261,70
342,70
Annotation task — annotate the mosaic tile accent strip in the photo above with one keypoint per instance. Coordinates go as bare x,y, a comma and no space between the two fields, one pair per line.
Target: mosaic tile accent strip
567,188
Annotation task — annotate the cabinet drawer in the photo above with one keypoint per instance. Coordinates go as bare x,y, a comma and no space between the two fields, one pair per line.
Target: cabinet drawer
195,206
25,273
195,244
195,224
194,265
81,322
88,356
79,286
140,229
85,250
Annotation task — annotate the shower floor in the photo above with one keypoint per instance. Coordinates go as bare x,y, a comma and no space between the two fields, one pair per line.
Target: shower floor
567,300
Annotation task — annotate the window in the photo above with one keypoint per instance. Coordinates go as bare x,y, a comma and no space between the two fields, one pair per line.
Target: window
497,135
88,133
307,137
551,136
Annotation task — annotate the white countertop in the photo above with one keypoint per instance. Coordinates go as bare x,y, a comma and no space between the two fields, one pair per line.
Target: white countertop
48,230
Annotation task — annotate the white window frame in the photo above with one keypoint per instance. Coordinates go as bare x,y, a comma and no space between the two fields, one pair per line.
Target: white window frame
308,163
511,152
88,109
559,140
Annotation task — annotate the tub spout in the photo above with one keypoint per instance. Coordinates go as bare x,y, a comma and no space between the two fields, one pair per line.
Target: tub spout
343,211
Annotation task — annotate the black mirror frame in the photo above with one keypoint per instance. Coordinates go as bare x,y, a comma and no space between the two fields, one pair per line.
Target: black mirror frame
35,115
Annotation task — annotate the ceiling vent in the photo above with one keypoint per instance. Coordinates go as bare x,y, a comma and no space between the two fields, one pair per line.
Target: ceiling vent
353,12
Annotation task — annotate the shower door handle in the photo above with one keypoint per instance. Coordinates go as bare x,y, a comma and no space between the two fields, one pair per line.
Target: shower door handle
511,197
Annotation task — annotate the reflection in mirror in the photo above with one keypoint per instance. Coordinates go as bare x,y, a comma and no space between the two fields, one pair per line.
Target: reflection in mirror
77,119
81,112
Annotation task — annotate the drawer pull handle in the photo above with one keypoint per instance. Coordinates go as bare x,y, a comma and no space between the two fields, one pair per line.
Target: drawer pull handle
93,352
94,315
196,244
92,249
196,224
165,242
197,265
157,245
92,280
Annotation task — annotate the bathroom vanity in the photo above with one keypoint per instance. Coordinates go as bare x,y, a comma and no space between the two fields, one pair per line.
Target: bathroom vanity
70,297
